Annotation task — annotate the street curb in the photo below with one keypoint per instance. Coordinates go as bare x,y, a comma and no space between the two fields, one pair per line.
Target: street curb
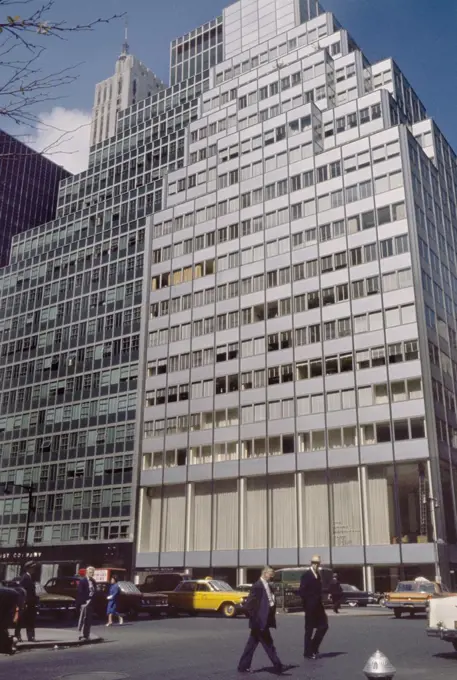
53,644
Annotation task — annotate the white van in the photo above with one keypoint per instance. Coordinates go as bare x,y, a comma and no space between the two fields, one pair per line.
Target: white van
442,619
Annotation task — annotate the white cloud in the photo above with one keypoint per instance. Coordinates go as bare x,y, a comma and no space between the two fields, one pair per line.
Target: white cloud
63,136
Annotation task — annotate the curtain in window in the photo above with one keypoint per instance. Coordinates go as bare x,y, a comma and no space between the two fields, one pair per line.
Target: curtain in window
315,510
150,520
282,512
174,523
346,521
378,507
225,515
256,513
200,532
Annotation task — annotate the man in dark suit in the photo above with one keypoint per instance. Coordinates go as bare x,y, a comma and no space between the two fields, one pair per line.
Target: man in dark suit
316,622
336,592
87,589
27,617
9,603
261,609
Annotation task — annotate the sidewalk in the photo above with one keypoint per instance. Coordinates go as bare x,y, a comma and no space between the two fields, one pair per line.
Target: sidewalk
56,637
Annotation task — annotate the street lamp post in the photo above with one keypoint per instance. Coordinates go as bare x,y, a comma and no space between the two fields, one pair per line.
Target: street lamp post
29,489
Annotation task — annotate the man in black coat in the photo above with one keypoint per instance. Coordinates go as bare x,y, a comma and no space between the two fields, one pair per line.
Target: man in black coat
316,622
336,591
9,601
27,617
261,609
87,589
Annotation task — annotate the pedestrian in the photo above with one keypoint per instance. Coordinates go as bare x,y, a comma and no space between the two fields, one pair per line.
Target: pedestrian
316,622
9,604
113,597
27,615
261,609
87,589
336,593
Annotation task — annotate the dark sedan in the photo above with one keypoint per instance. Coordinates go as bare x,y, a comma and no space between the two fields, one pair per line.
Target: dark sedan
131,601
354,597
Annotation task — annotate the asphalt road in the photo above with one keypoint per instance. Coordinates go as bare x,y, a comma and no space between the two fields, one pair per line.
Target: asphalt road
209,647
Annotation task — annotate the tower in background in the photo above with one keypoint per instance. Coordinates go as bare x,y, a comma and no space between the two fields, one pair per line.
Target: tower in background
132,82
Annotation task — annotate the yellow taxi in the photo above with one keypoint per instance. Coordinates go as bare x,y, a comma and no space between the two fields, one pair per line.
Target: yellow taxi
206,595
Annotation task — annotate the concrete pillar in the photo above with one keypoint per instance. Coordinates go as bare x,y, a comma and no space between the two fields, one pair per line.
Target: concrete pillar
299,482
240,575
368,578
189,513
242,506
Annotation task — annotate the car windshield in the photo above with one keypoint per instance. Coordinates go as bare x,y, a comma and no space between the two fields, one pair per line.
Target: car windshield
415,588
220,586
128,587
346,586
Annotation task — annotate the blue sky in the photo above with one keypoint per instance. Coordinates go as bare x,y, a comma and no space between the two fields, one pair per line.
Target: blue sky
418,34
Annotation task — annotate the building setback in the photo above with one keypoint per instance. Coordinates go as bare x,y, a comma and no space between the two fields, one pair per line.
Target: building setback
244,316
71,341
29,183
301,360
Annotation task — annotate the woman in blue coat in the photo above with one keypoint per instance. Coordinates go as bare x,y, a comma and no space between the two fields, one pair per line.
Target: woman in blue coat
113,597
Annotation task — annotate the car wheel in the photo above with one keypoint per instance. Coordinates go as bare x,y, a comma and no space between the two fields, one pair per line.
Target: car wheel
133,614
382,601
397,613
412,614
172,612
352,603
454,644
228,610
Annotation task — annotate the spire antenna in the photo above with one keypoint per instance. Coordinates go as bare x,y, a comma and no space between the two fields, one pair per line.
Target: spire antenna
125,44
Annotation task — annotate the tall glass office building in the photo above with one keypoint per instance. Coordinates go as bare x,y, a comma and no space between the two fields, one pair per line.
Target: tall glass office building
244,317
29,183
299,377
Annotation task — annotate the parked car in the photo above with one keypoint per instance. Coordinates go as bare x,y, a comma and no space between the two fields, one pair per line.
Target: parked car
162,582
54,606
286,584
354,597
442,615
244,587
413,597
131,602
63,585
193,596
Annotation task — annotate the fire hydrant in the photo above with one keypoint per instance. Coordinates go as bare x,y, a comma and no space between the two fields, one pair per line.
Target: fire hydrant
379,666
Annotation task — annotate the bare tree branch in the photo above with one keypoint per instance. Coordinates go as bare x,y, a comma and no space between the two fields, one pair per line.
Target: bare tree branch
23,40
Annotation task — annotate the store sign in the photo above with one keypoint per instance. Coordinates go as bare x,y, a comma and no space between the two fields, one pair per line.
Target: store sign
15,556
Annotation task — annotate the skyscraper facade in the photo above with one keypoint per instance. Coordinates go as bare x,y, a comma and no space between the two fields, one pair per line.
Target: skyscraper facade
29,183
301,357
71,341
244,318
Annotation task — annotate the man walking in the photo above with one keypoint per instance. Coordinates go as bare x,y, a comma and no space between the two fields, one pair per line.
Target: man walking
261,609
27,617
336,593
316,623
85,603
9,602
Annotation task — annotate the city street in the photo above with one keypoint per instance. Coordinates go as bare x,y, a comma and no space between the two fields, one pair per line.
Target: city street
209,647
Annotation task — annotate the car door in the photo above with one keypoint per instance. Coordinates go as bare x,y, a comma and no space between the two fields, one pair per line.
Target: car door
51,586
202,599
183,597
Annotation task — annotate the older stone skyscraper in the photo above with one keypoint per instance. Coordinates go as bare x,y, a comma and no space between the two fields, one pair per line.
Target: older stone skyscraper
131,83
